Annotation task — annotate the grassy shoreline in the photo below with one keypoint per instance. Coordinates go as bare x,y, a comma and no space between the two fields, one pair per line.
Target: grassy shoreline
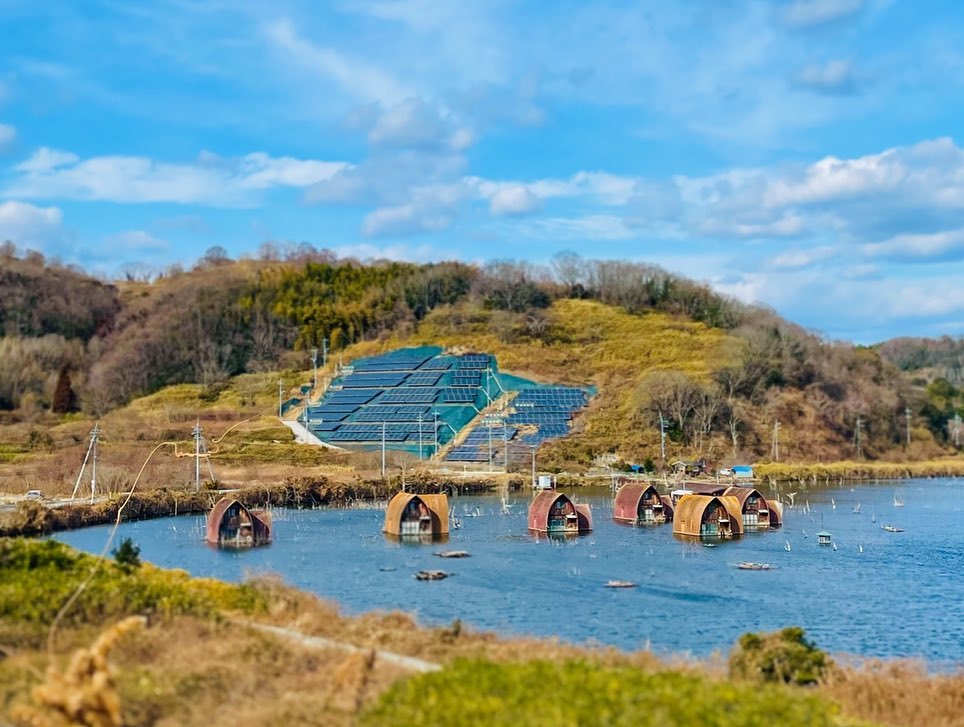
217,662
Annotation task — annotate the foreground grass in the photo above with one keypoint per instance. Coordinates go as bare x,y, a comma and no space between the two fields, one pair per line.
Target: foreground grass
543,693
199,662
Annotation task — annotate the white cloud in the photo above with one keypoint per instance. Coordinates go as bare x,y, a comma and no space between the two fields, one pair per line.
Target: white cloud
401,251
590,228
130,241
211,180
513,200
353,76
45,159
833,77
812,13
797,259
7,134
406,219
30,226
933,247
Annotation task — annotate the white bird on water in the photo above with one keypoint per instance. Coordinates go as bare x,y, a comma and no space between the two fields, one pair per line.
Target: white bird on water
833,503
861,548
787,548
834,547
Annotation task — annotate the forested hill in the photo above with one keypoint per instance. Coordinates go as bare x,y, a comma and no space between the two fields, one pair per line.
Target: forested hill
651,341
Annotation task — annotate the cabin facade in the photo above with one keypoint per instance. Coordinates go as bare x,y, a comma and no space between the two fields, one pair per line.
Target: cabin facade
753,507
411,515
641,504
232,525
708,516
554,513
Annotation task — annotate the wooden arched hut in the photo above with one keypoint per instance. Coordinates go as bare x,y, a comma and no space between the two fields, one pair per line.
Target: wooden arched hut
641,504
409,514
232,525
754,508
708,516
554,513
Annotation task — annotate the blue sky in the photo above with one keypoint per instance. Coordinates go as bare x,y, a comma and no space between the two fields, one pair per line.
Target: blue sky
805,154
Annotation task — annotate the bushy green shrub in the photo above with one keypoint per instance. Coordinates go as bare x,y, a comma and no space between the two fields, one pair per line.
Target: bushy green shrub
571,693
784,656
38,576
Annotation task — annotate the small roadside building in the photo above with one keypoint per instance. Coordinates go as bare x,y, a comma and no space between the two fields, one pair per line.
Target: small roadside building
753,507
691,469
742,472
232,525
409,514
640,504
708,516
553,513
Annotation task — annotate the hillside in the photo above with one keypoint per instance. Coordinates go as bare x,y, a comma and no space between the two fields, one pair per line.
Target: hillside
148,358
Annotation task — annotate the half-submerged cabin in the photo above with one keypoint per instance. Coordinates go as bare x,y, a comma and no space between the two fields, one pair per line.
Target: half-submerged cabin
708,516
641,504
417,515
232,525
753,506
554,513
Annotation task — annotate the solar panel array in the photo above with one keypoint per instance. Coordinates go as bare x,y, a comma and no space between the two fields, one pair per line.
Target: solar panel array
539,413
409,393
399,388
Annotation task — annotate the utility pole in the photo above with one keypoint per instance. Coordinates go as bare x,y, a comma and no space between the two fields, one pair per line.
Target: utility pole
956,430
857,435
907,415
776,441
324,351
662,436
94,435
197,455
383,450
314,366
281,393
489,427
505,447
420,437
435,415
533,466
91,449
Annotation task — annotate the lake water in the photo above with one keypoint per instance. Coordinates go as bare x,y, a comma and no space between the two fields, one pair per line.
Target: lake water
902,596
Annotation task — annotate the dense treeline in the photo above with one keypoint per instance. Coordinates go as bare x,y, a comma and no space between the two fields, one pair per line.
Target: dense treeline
928,357
74,339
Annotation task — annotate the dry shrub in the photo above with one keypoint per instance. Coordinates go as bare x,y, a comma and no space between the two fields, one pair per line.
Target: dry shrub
85,694
898,693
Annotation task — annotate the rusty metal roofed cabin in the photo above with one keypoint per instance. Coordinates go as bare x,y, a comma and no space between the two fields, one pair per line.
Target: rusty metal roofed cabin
753,507
408,514
708,516
640,504
776,513
232,525
553,513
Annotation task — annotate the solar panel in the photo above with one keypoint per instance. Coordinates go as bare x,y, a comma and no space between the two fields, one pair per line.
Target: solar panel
458,396
423,379
409,396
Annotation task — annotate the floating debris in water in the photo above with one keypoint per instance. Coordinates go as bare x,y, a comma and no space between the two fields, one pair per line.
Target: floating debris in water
431,575
453,554
620,584
386,569
748,565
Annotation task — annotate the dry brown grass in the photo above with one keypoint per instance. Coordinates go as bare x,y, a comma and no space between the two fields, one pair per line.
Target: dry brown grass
898,693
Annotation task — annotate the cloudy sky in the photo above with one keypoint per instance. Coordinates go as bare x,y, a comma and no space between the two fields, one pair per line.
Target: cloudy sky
807,154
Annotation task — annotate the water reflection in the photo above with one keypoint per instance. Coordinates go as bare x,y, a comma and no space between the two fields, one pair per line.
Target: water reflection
690,597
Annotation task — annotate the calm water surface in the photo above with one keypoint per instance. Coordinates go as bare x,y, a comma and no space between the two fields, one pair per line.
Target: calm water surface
902,596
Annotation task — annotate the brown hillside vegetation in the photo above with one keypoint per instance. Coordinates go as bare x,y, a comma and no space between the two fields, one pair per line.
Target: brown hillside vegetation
212,342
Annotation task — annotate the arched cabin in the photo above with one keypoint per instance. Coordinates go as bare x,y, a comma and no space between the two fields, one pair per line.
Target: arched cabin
753,507
708,516
232,525
417,515
554,513
641,504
